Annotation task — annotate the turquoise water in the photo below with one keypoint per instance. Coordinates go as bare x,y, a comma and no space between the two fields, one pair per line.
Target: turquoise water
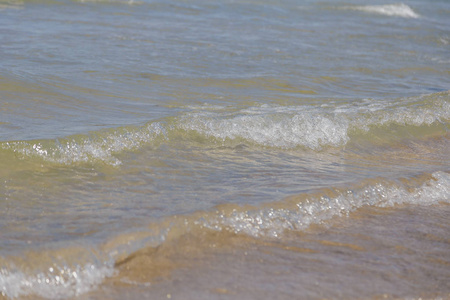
145,142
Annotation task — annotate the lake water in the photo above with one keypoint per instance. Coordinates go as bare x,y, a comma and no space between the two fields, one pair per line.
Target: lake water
224,149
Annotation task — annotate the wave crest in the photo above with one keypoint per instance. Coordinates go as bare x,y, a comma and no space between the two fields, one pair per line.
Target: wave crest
74,283
99,147
312,127
283,127
392,10
299,212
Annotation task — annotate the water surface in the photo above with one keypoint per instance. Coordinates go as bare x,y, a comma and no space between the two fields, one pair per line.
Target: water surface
224,149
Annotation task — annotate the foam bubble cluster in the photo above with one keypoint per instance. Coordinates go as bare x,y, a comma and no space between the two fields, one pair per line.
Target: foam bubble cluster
89,149
272,128
55,283
312,127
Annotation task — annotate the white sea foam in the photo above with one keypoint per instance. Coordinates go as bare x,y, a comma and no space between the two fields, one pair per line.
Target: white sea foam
273,128
312,127
101,148
394,10
316,209
56,283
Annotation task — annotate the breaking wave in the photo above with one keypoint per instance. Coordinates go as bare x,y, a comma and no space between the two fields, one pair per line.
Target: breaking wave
301,211
54,283
392,10
283,127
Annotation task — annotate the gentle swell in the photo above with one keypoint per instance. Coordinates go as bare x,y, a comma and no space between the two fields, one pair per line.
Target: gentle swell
283,127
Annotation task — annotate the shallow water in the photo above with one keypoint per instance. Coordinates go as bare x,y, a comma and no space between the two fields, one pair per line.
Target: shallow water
224,149
375,253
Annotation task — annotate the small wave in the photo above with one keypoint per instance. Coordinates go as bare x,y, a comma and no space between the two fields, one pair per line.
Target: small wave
392,10
227,222
269,127
148,248
299,212
283,127
101,147
314,127
55,282
312,209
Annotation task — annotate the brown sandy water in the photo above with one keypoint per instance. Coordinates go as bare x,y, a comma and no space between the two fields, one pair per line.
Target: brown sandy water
375,253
